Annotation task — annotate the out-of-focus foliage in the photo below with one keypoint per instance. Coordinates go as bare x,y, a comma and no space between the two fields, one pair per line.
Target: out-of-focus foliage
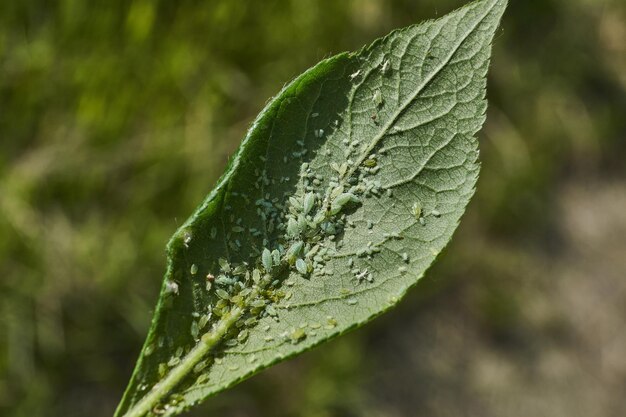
117,116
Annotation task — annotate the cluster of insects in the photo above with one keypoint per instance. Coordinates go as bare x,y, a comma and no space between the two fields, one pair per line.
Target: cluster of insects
309,224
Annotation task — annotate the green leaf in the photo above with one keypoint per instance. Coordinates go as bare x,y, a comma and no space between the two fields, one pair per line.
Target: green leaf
346,188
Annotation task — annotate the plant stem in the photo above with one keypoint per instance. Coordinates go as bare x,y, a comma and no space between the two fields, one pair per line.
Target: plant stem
178,373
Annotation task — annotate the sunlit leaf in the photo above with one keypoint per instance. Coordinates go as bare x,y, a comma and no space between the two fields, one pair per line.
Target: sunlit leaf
346,188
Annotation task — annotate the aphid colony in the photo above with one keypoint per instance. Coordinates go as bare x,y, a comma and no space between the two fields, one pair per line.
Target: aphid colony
307,223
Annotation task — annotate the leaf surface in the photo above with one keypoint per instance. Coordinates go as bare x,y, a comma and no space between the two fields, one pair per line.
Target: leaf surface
346,188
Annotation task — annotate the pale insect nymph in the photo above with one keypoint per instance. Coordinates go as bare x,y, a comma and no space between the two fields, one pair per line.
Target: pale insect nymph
385,66
355,74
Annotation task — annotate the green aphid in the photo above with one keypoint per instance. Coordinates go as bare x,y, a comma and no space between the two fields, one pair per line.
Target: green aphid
224,264
309,202
297,335
222,294
370,163
294,251
292,227
341,200
276,256
417,210
243,336
266,259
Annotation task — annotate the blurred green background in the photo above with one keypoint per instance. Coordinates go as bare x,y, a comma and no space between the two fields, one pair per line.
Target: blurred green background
117,117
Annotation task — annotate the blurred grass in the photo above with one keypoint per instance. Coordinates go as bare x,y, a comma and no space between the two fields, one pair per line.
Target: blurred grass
117,117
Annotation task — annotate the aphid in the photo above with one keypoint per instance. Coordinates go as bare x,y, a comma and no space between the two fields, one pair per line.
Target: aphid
342,169
294,251
204,320
292,227
194,269
301,266
187,238
405,257
171,287
354,75
276,256
350,263
224,280
312,251
309,202
213,232
370,163
402,269
352,301
222,294
224,264
173,361
242,336
385,67
266,259
336,191
435,213
341,200
377,98
314,115
199,367
210,277
364,275
149,349
162,370
417,210
297,335
194,329
271,310
256,276
328,228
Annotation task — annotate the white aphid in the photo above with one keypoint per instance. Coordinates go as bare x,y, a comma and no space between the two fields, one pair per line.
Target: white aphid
171,287
385,67
187,238
377,98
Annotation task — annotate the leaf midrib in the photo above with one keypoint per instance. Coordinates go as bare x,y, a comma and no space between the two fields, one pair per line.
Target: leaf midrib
392,120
